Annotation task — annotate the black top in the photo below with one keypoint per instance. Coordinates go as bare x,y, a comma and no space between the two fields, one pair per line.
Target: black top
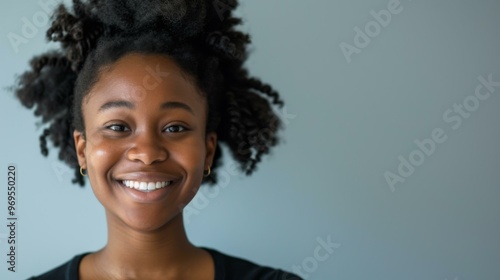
226,267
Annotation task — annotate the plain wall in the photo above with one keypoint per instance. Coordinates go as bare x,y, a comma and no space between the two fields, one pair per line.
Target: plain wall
349,120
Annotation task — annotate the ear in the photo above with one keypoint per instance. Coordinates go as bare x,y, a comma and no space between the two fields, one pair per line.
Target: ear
210,145
80,148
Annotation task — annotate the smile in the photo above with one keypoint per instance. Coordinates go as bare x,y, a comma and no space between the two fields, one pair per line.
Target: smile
145,186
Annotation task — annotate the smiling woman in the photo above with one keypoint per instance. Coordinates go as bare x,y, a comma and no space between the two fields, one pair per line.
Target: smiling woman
153,89
158,139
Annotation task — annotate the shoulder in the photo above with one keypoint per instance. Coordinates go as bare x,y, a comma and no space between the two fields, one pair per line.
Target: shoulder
65,271
229,267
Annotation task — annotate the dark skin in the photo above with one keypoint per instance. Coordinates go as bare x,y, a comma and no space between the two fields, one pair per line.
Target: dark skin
145,127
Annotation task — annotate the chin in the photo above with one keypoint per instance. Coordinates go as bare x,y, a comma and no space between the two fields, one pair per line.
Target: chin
149,221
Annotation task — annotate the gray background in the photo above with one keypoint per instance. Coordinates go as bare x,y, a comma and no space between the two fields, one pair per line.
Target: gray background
347,125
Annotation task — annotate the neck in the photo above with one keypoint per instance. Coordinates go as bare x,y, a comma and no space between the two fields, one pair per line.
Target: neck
132,253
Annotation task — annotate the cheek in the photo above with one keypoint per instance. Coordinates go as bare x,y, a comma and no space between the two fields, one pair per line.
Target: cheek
190,154
101,156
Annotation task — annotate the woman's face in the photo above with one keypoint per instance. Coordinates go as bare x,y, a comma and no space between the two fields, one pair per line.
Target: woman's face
144,129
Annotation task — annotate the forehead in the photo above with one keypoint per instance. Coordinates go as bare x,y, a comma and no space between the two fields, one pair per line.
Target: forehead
144,79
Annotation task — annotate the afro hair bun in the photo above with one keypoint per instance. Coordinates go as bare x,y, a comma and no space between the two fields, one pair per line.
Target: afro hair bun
182,18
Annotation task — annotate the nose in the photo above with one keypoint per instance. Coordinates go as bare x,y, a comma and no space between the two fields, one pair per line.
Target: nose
148,148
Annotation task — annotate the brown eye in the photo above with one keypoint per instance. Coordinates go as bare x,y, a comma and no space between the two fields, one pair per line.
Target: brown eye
117,127
175,128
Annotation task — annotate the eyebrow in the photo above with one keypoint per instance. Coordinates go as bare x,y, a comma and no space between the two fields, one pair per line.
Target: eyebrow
130,105
116,104
176,104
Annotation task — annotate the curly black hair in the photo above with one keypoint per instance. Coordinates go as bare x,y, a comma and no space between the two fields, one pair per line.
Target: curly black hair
201,38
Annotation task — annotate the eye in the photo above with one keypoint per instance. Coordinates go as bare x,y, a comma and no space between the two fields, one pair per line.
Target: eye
117,127
175,128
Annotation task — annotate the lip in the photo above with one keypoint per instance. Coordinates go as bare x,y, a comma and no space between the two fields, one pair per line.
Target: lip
150,196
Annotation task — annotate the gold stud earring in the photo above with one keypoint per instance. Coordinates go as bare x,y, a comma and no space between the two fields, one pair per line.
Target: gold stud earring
81,171
207,173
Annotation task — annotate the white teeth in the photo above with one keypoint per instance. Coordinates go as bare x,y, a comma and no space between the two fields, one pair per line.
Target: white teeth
145,186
